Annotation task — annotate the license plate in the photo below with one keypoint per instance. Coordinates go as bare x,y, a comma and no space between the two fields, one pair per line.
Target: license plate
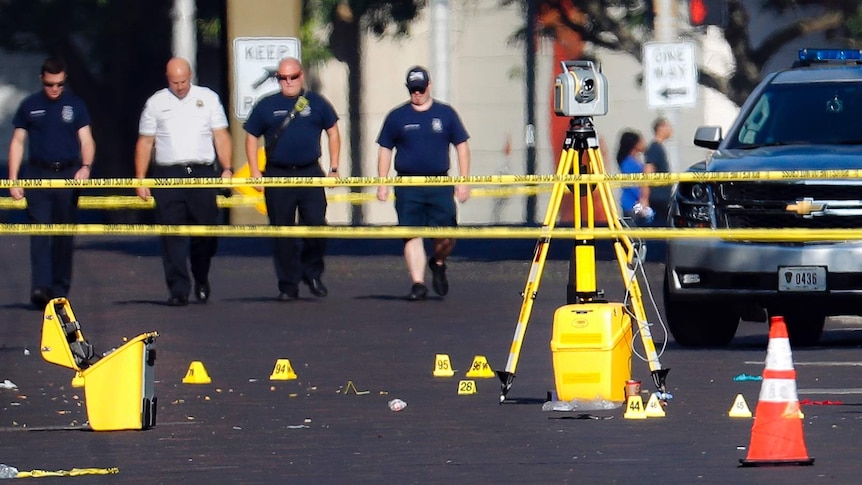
802,278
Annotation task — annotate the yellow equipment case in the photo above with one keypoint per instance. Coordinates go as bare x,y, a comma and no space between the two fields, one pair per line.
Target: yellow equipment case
591,346
118,386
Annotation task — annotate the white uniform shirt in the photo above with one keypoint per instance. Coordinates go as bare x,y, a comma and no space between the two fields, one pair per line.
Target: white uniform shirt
183,127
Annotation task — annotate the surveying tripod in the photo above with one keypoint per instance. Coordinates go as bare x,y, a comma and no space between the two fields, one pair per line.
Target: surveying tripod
581,139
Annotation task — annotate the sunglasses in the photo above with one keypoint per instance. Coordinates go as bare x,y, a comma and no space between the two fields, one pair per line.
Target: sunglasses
283,77
54,85
417,90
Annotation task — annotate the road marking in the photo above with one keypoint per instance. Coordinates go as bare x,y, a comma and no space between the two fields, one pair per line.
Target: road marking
830,391
814,364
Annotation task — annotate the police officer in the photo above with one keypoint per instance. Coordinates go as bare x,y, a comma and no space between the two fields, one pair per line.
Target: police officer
291,122
61,146
420,132
188,128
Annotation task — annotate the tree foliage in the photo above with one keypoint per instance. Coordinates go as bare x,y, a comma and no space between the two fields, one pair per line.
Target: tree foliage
625,25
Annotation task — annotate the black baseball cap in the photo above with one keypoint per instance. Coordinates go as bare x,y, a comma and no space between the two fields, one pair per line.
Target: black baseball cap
417,78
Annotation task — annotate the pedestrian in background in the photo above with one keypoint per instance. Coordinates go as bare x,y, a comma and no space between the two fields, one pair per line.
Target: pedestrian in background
420,132
60,146
291,122
183,130
655,157
635,200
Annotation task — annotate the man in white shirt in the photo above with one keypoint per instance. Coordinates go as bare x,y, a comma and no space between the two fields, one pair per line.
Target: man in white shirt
187,126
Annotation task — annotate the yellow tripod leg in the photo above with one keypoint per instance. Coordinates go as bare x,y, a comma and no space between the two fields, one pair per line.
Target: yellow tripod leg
535,275
625,254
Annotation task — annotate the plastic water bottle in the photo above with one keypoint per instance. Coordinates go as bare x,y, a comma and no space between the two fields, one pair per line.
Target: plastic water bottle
7,471
646,213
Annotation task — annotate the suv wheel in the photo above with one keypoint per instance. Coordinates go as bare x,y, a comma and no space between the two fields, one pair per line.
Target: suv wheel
804,325
695,325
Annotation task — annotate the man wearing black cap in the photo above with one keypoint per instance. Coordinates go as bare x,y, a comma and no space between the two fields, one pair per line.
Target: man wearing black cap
420,132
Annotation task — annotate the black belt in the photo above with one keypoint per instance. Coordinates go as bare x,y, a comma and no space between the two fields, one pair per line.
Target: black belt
291,166
56,166
189,167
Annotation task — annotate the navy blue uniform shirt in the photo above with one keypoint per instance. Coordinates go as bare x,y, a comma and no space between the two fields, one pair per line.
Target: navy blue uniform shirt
422,138
299,143
52,126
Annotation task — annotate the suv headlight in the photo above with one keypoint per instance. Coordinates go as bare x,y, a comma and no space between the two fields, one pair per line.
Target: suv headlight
694,205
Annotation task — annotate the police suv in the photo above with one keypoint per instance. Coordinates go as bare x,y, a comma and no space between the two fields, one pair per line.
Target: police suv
805,118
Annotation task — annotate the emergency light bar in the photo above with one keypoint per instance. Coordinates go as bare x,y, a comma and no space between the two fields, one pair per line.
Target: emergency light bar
824,55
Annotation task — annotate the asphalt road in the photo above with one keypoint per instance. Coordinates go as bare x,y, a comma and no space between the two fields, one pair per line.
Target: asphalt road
245,428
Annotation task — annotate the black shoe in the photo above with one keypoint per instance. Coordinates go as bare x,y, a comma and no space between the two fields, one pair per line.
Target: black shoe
40,297
202,292
316,286
288,295
178,301
438,273
418,292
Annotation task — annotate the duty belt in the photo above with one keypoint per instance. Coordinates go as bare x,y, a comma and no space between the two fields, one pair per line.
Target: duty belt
55,166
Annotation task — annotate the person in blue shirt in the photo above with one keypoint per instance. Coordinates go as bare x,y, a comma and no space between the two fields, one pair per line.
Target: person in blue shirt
420,132
60,146
656,159
291,122
634,199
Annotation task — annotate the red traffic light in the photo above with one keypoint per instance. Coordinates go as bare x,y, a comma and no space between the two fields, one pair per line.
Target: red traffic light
707,12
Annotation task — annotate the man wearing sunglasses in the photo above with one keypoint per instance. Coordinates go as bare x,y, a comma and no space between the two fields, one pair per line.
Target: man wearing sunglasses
291,122
420,132
61,146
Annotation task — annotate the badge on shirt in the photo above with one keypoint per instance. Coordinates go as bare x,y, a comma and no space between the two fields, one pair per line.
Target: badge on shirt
68,113
436,125
199,103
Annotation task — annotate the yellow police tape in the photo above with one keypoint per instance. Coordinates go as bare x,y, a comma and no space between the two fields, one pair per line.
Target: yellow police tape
135,202
620,179
74,472
401,232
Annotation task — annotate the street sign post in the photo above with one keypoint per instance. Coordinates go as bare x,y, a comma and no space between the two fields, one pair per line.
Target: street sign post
670,74
255,63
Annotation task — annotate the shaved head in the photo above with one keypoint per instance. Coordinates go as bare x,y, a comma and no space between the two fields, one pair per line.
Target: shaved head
290,77
179,74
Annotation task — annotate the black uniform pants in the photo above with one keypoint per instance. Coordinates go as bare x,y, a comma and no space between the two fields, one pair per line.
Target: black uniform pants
186,206
283,205
51,256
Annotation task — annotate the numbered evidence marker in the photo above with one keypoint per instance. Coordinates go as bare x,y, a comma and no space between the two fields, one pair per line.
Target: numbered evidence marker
282,371
197,374
739,409
443,366
654,408
480,368
635,408
466,387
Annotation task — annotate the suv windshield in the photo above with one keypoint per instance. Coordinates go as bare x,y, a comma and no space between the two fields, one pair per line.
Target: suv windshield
791,114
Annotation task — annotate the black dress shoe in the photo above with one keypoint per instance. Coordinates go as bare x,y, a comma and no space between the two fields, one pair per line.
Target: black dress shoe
316,286
202,291
40,297
178,301
288,295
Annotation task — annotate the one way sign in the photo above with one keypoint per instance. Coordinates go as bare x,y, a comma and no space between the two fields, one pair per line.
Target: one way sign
670,74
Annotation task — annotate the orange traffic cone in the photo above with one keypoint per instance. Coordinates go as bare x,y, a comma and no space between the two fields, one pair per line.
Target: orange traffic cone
776,435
